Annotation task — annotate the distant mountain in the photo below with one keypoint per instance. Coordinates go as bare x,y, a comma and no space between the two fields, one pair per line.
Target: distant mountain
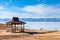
40,19
35,19
5,19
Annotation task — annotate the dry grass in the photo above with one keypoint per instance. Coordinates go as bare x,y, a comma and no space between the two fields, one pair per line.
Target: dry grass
35,35
26,36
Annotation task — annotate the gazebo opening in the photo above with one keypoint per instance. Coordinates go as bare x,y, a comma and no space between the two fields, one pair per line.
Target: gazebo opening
15,25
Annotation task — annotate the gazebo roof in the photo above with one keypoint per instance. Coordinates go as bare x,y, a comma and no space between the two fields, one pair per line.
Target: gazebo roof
15,20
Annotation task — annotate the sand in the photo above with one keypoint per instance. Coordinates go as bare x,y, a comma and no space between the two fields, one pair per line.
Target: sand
29,34
40,35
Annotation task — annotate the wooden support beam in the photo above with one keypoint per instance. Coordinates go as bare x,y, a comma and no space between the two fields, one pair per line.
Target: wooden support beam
23,28
14,28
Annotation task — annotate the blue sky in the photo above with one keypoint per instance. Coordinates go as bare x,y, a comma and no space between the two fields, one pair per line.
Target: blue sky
30,8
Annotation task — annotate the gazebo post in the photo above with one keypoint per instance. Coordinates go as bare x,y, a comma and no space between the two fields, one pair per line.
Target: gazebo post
8,27
23,27
15,28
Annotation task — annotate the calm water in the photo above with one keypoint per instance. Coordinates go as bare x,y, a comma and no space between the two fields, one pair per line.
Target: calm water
44,25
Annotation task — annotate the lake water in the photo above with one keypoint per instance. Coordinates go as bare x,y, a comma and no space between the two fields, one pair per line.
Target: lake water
44,25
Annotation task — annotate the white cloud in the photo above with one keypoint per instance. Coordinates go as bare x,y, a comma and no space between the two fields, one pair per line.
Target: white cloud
7,14
37,11
1,8
43,9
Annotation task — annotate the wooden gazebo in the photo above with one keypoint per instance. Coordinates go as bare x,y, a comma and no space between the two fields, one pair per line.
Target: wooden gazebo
12,24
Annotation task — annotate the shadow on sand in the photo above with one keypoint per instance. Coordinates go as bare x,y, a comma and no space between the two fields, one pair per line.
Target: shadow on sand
37,32
31,32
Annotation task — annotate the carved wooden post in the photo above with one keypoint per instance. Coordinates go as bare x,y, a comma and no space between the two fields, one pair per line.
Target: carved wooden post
23,27
14,28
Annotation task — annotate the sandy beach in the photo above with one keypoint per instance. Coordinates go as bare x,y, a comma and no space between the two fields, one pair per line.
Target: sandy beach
31,35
